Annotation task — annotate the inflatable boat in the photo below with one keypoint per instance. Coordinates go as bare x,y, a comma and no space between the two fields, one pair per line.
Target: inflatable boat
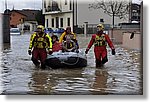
66,59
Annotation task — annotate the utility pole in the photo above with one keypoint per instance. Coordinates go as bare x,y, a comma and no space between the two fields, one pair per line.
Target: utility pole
5,4
6,25
73,14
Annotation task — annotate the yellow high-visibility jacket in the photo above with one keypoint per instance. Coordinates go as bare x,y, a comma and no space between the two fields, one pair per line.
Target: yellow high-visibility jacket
64,34
43,41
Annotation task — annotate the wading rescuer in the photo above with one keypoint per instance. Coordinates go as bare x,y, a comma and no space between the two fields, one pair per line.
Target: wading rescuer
100,41
40,45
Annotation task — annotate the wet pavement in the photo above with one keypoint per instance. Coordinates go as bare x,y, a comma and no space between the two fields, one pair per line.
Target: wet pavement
122,75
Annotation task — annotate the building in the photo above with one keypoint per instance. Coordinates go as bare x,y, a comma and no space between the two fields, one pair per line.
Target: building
63,13
135,13
16,18
24,19
58,13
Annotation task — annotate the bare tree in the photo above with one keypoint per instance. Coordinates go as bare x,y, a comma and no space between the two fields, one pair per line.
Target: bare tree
118,8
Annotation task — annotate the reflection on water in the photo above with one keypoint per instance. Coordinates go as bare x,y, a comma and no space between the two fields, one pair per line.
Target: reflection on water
121,75
100,83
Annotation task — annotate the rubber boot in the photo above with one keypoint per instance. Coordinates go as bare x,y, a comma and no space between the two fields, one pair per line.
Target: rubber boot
98,64
43,66
36,62
104,60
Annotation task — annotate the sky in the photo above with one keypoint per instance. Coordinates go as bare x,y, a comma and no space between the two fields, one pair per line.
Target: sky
21,4
27,4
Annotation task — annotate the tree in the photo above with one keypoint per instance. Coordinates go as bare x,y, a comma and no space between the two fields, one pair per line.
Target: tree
118,8
40,18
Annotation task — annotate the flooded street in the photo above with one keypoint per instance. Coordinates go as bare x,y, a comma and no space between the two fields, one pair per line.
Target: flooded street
122,74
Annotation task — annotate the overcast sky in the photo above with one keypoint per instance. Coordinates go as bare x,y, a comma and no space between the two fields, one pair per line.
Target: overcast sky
21,4
27,4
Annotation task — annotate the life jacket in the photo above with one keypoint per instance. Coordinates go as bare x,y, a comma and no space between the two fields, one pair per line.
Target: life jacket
40,41
100,40
63,36
69,45
70,35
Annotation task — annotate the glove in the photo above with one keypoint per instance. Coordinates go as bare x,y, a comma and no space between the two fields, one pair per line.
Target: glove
113,52
77,51
29,52
50,51
86,51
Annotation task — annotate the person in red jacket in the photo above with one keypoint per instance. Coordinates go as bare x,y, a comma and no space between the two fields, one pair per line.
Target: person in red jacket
100,41
56,45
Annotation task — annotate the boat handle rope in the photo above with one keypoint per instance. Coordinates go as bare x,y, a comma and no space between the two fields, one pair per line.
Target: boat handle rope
71,63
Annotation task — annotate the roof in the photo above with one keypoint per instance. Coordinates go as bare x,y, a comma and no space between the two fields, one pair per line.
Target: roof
30,14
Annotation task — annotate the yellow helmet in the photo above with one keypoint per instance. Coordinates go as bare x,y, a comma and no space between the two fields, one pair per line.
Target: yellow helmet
100,26
40,27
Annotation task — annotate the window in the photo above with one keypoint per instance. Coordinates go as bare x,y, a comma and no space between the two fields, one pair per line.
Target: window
65,2
70,5
135,14
57,22
61,22
47,23
13,14
55,6
52,22
68,20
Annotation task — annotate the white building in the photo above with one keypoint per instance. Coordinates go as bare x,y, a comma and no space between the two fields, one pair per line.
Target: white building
59,13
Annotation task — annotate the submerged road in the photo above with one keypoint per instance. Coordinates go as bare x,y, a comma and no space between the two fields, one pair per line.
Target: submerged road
122,75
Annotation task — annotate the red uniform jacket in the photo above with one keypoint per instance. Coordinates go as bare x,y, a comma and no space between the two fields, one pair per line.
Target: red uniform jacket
106,38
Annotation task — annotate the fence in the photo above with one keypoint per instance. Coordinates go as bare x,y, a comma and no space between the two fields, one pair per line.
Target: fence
91,28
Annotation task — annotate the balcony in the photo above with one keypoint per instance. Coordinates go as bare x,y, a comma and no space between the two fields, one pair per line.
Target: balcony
52,9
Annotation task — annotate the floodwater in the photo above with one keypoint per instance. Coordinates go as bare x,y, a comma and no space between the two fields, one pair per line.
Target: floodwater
122,75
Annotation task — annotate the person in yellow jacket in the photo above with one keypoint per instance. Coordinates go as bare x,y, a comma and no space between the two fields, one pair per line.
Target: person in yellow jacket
68,45
66,33
40,45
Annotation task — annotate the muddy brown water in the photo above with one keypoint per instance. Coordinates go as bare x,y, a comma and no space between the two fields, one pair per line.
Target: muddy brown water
122,75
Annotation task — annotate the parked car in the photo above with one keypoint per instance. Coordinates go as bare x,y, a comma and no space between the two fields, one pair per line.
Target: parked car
15,31
59,30
48,30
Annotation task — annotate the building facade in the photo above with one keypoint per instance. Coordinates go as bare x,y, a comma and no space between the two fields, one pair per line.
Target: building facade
74,13
58,13
135,12
16,18
24,19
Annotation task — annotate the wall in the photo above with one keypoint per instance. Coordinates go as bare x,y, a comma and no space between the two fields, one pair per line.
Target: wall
93,16
16,18
135,43
64,16
118,34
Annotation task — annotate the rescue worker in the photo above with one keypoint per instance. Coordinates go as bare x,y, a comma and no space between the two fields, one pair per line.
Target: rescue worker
68,45
100,41
56,45
72,35
40,45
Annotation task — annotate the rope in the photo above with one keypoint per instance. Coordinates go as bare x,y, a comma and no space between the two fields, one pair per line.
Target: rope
71,63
